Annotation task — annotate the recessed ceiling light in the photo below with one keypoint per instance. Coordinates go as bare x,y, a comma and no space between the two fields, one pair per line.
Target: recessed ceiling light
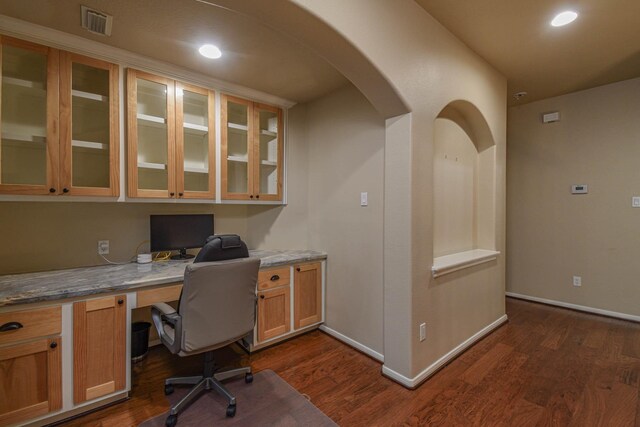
564,18
210,51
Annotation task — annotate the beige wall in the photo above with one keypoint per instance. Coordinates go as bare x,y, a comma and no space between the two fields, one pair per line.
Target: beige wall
553,235
429,68
346,157
40,236
454,186
335,149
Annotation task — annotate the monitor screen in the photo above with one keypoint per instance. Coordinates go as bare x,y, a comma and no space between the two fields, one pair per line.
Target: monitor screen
172,232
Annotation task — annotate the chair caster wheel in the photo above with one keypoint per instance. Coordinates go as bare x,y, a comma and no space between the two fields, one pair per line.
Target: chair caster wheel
171,421
248,378
168,389
231,411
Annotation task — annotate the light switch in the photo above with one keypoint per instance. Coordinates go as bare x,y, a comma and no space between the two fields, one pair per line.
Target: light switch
363,199
635,202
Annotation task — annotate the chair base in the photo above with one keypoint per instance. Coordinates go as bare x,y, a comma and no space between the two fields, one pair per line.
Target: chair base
206,382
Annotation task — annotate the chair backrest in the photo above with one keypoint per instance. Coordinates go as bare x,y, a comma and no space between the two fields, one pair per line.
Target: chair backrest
218,302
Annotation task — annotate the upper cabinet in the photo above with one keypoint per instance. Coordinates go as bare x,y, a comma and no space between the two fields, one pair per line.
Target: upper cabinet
251,150
171,144
59,122
89,131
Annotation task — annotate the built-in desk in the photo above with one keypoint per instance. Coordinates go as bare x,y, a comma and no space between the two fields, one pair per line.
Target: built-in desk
74,327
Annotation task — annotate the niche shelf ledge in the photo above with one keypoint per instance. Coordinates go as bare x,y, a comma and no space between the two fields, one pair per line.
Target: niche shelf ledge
449,263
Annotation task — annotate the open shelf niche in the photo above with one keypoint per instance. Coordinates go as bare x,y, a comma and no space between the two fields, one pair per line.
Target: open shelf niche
464,173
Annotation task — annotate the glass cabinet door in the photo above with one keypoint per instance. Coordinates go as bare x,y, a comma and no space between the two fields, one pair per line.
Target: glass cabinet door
268,152
237,179
195,142
89,134
151,134
29,115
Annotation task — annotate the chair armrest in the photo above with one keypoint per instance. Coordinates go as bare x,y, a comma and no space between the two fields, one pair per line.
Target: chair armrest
163,314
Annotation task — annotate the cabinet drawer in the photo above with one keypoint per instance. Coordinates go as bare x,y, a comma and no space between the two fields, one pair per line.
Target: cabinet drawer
30,324
272,278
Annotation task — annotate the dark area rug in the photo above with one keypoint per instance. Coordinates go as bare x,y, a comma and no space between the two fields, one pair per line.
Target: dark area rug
267,401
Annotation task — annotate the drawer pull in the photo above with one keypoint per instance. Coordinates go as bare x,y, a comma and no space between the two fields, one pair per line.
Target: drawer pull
53,344
261,296
275,277
120,301
10,326
297,268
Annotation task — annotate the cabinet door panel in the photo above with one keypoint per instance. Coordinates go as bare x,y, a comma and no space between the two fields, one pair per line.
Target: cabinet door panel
29,118
236,149
268,150
195,142
308,295
151,135
89,130
274,313
99,347
30,380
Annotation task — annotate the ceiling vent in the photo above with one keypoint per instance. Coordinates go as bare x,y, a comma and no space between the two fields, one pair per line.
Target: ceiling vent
95,21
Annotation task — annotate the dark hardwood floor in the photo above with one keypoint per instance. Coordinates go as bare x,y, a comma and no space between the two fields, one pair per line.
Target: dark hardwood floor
546,367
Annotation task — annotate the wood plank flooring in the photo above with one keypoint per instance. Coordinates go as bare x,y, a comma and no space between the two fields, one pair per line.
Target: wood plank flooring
546,367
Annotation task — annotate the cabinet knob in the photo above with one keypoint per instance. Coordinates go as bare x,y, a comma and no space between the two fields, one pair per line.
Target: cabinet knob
258,196
172,194
52,190
10,326
261,296
251,196
297,268
65,190
120,301
275,277
180,194
53,344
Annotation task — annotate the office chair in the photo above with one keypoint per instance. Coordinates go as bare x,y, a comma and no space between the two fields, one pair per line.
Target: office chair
217,308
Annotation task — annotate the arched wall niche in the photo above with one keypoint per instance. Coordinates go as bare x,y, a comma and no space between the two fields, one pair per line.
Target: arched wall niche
464,172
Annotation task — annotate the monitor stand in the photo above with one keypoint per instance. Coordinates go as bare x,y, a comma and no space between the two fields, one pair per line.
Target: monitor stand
183,255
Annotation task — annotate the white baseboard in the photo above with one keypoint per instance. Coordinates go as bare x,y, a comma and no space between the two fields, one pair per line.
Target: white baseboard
433,368
586,309
355,344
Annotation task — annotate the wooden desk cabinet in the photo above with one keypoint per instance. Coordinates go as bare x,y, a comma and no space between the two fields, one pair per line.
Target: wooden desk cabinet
274,322
30,364
99,347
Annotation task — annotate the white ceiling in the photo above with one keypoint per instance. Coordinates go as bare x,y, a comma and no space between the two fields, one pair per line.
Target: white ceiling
254,55
602,46
514,36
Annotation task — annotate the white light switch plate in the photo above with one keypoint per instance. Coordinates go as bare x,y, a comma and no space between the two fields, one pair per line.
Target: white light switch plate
635,202
364,199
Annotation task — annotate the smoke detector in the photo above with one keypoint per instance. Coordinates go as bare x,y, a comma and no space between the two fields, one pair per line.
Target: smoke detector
518,96
95,21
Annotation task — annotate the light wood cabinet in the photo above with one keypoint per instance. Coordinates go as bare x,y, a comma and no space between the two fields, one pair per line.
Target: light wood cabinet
307,282
251,150
99,347
170,138
30,363
89,126
274,313
30,379
59,122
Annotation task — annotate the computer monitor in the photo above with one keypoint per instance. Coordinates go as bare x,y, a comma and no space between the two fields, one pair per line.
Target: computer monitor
179,232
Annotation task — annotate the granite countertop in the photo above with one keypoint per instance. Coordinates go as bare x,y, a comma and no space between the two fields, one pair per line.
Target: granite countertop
59,284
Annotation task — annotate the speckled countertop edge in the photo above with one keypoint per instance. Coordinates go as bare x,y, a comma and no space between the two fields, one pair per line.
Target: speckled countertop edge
29,288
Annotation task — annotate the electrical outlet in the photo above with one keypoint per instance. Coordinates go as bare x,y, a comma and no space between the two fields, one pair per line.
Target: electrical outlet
103,247
577,281
423,331
635,202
